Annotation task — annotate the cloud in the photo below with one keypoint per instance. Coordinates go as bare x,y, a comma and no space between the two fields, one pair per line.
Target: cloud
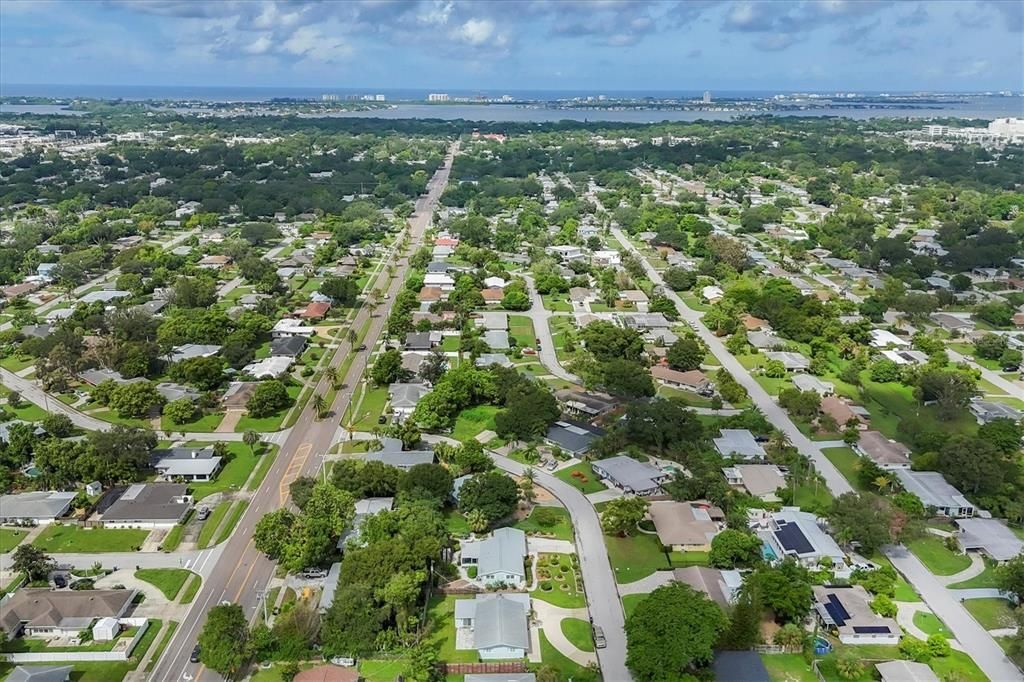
775,42
1012,12
475,31
786,23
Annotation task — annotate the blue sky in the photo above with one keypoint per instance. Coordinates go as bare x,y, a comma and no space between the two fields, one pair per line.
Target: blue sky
518,44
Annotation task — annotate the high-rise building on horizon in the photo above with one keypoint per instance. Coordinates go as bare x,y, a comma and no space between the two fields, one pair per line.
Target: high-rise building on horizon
707,97
438,97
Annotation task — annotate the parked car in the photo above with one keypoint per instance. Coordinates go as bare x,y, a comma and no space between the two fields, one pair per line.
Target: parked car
59,581
383,419
599,641
361,346
195,654
551,465
203,513
313,573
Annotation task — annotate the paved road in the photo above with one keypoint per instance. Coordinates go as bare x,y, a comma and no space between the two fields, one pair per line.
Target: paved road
1011,388
598,577
539,315
199,561
771,410
975,640
242,573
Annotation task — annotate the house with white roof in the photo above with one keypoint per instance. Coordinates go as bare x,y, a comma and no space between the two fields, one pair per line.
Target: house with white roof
739,443
935,493
498,558
883,338
496,625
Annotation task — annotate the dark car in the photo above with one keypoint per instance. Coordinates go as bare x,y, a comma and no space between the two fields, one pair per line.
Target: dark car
195,654
383,419
361,346
59,581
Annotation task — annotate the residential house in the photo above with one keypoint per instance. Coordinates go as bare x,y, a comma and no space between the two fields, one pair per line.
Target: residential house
645,321
237,395
496,624
492,296
887,454
797,534
403,399
442,280
192,350
842,412
187,464
315,311
905,357
953,323
990,537
573,437
793,362
606,258
364,509
41,673
845,610
494,283
42,612
488,359
712,293
289,326
635,297
148,505
268,368
104,296
693,380
883,338
584,295
392,454
584,403
753,324
764,340
720,586
422,340
567,253
739,443
985,411
630,475
46,271
499,558
35,508
492,321
497,339
430,295
686,526
936,494
288,346
759,480
809,382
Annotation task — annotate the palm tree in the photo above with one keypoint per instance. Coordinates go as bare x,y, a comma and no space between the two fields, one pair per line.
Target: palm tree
882,483
252,439
319,404
331,373
779,441
476,520
351,335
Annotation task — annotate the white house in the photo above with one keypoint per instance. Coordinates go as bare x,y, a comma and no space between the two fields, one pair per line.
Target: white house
498,558
496,625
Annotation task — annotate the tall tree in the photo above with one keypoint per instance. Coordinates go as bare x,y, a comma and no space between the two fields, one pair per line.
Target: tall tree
222,642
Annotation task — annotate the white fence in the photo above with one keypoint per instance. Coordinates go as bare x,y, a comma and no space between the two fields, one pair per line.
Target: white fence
84,656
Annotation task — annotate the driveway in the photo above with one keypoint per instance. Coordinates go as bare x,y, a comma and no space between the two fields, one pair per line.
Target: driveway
648,584
540,316
983,649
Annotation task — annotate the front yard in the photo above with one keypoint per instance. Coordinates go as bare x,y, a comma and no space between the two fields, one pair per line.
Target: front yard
559,582
933,554
547,521
581,476
638,556
236,472
991,614
474,421
57,539
9,539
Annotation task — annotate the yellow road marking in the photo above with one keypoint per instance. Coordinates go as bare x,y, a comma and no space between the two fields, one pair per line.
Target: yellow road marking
294,467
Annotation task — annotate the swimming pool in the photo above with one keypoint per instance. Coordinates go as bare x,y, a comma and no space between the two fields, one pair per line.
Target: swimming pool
768,553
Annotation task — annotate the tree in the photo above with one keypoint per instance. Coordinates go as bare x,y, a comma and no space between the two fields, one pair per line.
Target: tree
58,425
1010,577
785,589
427,481
222,642
951,390
733,547
268,398
627,379
685,355
295,631
515,298
670,631
423,664
494,493
205,373
433,366
135,399
973,465
1005,434
252,439
341,290
744,622
607,341
849,665
477,520
388,368
301,490
774,369
33,562
180,411
319,405
529,410
272,532
863,519
884,606
622,515
352,623
790,635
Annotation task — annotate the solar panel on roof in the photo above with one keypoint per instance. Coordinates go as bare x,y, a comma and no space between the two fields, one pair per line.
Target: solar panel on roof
836,609
871,629
792,539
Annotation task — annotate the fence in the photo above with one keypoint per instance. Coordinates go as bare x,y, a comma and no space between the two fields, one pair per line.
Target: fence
484,668
84,656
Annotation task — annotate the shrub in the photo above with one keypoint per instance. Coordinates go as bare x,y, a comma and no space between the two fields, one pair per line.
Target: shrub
471,571
914,649
938,645
546,585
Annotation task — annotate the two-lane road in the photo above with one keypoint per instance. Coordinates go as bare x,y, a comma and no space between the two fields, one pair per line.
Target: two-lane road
242,573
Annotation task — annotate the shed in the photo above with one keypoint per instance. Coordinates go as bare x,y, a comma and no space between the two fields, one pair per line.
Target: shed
106,629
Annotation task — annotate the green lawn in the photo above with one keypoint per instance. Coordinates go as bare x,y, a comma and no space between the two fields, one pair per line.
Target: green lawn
190,591
442,630
231,521
990,613
30,412
539,522
456,523
206,423
558,303
273,422
566,667
114,418
578,632
934,555
9,539
450,343
904,592
520,328
173,538
848,463
17,362
58,538
638,556
986,578
931,624
563,583
631,601
788,668
370,408
206,533
581,476
172,626
265,459
167,580
813,497
235,473
474,421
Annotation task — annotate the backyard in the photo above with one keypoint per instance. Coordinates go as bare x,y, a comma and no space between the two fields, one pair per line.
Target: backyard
442,630
58,538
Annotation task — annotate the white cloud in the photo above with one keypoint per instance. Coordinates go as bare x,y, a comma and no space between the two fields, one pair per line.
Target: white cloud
308,42
475,31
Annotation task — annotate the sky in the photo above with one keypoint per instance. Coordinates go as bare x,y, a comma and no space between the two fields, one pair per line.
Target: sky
484,45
